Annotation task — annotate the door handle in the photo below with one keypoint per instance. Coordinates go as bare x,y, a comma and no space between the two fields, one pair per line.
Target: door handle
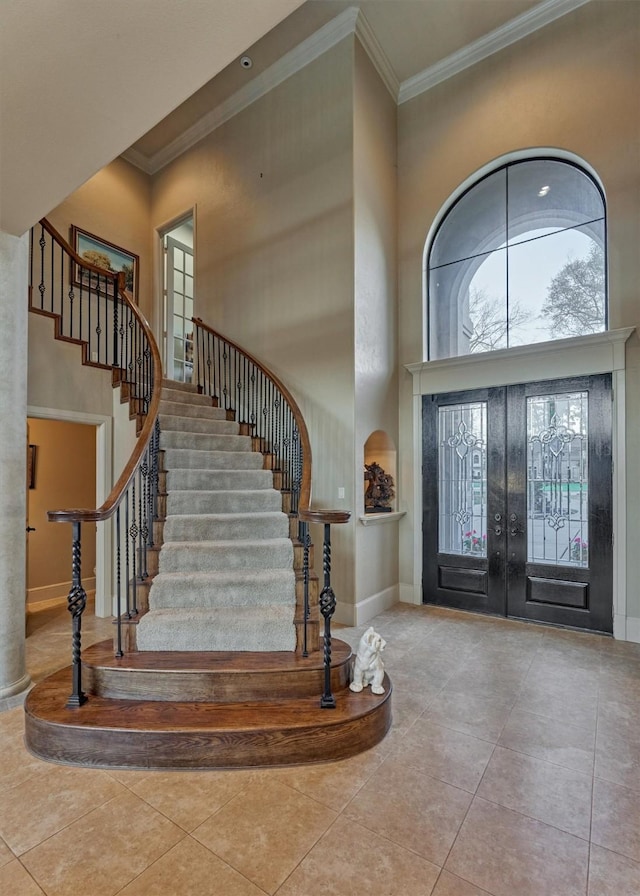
515,529
30,529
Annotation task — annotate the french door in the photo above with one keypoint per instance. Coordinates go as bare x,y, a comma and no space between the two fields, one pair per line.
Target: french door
517,501
179,311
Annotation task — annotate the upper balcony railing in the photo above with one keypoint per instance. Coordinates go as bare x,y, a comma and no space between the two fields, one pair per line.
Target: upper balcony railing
91,307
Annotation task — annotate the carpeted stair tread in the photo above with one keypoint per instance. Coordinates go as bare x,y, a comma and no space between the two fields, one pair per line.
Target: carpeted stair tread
176,423
226,628
221,526
188,409
207,556
218,480
201,459
223,501
223,588
204,442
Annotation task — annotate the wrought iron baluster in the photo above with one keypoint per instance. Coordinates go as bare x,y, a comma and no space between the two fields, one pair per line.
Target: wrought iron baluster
327,608
77,600
119,651
305,540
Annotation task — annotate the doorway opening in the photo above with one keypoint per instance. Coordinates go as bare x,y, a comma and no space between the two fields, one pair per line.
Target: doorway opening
62,473
178,291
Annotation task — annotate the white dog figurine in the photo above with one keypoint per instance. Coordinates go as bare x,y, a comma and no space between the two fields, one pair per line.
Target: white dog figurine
368,667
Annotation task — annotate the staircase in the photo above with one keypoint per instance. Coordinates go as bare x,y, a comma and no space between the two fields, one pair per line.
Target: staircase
218,660
225,579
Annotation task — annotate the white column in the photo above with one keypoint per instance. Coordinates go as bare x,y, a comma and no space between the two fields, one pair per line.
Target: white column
14,256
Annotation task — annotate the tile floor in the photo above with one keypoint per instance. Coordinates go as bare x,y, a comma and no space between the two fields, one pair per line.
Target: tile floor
512,769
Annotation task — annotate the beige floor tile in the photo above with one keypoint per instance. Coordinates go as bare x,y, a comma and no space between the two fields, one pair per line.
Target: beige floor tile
611,874
114,844
5,854
451,885
412,809
555,795
616,818
507,854
350,859
551,740
446,754
475,714
618,760
18,765
264,831
189,869
334,784
577,708
188,798
617,718
49,801
15,881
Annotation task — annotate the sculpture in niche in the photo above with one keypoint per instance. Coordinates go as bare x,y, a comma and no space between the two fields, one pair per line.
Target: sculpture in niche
368,667
380,490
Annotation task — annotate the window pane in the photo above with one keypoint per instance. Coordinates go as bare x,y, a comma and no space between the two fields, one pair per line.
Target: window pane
488,304
557,479
178,259
556,286
462,479
550,194
188,264
476,224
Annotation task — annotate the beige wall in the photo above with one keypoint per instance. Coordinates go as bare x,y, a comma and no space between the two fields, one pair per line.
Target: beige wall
574,86
375,353
273,190
65,477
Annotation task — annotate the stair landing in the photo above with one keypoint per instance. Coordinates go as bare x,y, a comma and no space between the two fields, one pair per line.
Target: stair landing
235,711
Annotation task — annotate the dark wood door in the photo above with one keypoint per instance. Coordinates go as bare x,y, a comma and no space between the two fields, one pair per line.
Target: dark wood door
517,501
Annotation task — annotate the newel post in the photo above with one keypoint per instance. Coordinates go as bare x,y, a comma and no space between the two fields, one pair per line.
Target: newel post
77,601
327,608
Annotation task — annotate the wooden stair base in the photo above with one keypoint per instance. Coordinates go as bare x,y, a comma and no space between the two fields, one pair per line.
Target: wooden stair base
266,711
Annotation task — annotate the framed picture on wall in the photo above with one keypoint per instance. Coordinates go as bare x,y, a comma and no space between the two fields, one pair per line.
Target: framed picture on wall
105,255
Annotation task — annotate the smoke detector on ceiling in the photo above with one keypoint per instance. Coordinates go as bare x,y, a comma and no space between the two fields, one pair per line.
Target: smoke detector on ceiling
246,61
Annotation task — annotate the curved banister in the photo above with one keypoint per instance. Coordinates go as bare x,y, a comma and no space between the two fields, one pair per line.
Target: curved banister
305,512
108,508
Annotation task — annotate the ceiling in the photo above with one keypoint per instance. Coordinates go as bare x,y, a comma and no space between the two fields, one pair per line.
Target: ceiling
81,80
414,37
84,82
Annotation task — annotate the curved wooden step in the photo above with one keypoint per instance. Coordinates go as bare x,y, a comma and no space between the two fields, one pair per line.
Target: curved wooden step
222,677
270,729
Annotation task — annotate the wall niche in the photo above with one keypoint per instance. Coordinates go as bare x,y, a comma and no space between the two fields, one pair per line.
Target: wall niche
380,462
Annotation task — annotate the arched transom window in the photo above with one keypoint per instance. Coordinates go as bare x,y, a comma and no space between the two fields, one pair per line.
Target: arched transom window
519,258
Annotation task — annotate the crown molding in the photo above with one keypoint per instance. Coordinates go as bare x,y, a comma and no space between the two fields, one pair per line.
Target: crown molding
497,40
351,21
293,61
138,159
376,54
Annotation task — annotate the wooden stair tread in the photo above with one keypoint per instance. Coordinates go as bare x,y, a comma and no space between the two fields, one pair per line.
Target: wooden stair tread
101,654
146,734
148,715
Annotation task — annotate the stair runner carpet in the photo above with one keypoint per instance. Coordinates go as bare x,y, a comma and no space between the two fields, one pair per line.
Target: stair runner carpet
225,578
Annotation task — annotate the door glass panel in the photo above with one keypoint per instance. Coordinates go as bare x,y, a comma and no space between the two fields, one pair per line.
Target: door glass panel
557,479
462,479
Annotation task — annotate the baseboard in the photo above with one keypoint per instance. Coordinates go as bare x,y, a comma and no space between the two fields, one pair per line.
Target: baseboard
364,610
633,629
54,595
409,594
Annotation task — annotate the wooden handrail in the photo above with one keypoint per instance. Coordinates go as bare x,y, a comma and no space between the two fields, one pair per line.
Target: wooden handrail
108,508
305,513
